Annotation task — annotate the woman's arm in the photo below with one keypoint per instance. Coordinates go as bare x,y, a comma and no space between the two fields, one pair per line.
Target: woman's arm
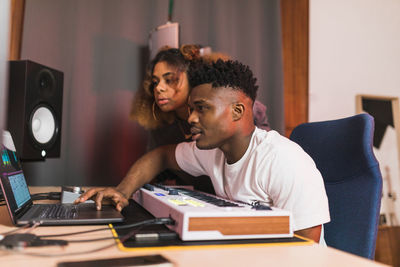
141,172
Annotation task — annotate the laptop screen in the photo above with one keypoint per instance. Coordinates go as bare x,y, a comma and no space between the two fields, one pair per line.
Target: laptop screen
13,183
19,188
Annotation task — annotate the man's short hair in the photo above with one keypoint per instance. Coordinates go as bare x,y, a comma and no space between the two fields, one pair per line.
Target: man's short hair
224,74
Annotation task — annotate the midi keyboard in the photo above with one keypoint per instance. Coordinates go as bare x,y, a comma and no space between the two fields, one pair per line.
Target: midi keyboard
202,216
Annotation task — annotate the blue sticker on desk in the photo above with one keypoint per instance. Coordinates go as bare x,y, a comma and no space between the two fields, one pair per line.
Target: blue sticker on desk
159,194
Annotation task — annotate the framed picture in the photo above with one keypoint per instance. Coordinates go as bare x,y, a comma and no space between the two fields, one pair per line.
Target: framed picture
385,110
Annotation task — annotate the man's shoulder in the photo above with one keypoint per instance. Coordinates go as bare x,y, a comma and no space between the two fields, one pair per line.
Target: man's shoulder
273,143
271,138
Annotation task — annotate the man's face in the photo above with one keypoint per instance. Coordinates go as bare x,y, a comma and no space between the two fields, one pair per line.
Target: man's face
211,116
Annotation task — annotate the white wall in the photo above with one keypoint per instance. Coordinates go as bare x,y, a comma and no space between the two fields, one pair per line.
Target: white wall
4,44
355,49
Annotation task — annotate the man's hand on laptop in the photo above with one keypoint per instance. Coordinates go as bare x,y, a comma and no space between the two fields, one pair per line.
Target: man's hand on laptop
99,193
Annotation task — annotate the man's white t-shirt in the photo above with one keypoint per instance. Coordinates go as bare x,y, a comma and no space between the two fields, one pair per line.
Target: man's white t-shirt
274,170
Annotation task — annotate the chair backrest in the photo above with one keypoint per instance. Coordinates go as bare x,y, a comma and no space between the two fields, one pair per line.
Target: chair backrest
342,151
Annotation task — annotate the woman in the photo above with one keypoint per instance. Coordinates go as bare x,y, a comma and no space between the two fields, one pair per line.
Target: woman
161,105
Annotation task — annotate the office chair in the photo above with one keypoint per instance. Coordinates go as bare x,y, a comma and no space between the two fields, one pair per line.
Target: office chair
342,151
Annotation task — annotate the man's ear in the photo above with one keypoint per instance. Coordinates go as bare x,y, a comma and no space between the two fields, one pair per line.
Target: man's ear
237,111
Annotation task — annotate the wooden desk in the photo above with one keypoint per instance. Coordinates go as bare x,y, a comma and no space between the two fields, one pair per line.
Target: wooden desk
247,256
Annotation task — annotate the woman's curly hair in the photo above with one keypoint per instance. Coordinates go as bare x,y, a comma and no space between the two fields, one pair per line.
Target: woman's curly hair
224,74
144,110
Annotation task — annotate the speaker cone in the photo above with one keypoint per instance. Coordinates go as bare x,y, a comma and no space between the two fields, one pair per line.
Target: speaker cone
43,125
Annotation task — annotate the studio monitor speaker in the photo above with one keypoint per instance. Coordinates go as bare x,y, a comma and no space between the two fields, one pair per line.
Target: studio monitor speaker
35,109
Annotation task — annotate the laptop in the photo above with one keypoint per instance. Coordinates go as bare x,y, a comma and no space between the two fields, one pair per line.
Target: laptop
23,211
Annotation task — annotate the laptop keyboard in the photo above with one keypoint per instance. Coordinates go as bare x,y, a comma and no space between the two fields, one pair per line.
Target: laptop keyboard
54,211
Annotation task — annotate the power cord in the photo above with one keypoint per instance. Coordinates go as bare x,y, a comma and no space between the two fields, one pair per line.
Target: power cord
14,242
48,195
38,196
28,240
2,235
166,221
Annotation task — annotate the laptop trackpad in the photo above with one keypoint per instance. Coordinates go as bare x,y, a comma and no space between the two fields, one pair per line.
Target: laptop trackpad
88,211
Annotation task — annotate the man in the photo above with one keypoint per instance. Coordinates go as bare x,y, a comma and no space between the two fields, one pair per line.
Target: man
244,163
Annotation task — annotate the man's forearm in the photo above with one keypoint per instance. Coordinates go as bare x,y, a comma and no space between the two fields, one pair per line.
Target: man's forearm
146,168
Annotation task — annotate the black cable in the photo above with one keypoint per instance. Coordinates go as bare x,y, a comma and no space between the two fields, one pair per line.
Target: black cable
142,223
59,254
104,238
48,195
165,220
91,240
15,230
39,196
76,233
122,239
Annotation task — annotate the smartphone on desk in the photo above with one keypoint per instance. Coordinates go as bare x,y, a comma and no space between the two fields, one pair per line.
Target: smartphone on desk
148,260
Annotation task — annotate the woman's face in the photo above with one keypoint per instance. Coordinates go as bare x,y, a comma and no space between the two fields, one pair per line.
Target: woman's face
171,87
